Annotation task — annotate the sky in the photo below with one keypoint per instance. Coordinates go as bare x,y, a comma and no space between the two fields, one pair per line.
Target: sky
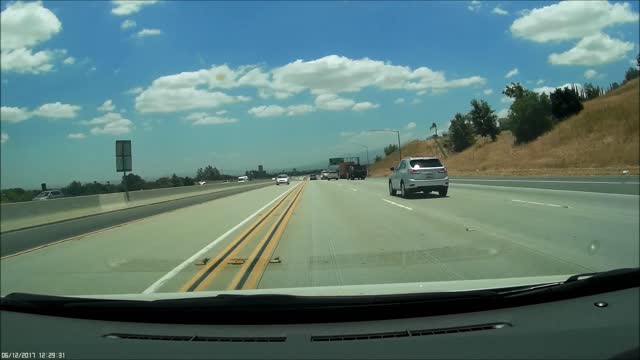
278,84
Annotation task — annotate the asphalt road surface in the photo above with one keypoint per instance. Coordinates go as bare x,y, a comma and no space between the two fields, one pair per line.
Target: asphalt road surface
321,233
601,184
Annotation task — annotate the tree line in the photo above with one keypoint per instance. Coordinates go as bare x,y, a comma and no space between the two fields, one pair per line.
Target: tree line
531,114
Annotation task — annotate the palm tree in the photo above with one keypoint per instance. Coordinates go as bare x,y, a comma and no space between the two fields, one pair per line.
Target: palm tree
434,126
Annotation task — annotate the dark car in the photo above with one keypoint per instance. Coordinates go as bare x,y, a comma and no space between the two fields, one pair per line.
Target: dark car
313,177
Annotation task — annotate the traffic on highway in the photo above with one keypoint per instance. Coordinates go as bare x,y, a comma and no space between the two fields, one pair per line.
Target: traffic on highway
279,188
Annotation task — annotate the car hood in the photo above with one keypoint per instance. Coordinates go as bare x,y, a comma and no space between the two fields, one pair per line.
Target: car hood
352,290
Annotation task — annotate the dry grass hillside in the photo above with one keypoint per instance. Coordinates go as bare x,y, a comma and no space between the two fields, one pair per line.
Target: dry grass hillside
603,139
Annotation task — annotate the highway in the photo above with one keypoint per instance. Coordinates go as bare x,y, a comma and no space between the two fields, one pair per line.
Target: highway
321,233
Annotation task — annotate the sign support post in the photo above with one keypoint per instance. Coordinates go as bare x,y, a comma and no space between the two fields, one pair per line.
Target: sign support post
123,162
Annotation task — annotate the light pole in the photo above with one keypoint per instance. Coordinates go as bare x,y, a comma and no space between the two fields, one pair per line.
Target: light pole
366,147
397,133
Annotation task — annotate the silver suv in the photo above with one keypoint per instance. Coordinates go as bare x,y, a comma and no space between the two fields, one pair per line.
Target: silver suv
415,174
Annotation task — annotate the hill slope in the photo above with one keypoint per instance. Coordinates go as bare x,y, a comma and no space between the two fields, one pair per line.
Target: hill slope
602,139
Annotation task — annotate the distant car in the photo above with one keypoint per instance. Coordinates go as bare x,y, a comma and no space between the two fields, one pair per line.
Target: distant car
331,175
242,179
201,183
49,195
282,179
313,177
414,174
323,174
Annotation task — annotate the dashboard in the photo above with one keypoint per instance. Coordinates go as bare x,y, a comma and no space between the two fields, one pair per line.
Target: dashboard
602,326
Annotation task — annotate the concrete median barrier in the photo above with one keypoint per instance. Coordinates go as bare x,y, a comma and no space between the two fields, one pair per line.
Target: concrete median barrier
15,216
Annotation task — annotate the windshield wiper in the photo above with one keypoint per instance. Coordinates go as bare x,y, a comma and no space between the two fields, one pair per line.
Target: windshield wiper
273,309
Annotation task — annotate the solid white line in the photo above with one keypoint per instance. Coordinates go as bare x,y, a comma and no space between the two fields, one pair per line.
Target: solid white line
354,189
551,181
489,187
168,276
396,204
539,203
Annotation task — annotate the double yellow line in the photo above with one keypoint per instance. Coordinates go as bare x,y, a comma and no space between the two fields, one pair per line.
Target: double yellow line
253,268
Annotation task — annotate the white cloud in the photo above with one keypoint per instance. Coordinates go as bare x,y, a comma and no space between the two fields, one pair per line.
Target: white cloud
57,110
411,125
399,101
633,62
333,102
158,99
77,136
110,124
335,74
127,24
549,89
208,119
4,137
597,49
25,61
590,74
474,5
506,100
276,110
421,92
24,25
107,106
221,112
499,11
487,91
416,101
128,7
13,114
512,73
540,82
267,111
503,113
93,68
135,90
571,20
363,106
69,61
148,32
299,109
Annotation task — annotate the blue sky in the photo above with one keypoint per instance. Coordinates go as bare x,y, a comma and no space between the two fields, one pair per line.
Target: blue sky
238,84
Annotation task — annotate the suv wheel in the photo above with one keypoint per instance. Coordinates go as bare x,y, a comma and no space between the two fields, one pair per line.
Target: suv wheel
443,191
403,191
392,192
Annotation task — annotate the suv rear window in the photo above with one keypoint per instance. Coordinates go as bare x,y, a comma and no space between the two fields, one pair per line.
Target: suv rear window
425,163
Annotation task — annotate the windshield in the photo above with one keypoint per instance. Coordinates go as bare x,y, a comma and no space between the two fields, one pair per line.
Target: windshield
179,138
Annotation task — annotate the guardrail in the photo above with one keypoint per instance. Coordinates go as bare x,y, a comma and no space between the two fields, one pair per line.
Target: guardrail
14,216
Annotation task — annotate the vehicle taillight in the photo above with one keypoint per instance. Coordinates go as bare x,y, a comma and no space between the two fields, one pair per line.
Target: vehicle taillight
411,171
443,170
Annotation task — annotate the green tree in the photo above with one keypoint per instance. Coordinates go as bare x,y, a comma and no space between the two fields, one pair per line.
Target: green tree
388,150
631,74
200,175
484,119
591,91
187,181
564,103
176,180
378,158
211,173
133,182
461,133
530,116
515,91
74,188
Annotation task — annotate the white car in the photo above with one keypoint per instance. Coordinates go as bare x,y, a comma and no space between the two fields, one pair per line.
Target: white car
282,179
201,183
